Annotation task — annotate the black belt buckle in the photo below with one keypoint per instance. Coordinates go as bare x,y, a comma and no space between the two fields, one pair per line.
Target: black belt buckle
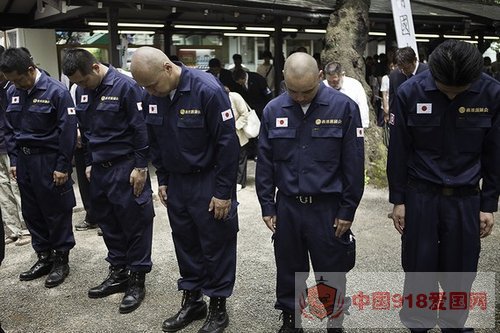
107,164
26,150
448,191
305,199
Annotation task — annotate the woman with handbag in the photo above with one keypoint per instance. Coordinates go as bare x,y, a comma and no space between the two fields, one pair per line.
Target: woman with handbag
241,113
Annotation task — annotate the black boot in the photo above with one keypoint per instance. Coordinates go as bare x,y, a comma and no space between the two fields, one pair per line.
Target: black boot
40,268
135,292
289,324
217,319
60,269
193,307
116,282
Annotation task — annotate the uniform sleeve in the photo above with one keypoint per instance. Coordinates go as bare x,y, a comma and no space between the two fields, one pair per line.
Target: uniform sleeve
154,148
135,115
66,116
223,133
490,161
353,159
10,142
264,174
397,159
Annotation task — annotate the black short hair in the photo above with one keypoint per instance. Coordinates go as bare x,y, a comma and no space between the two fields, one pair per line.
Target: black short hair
405,55
239,74
78,60
237,56
267,54
455,63
15,60
214,63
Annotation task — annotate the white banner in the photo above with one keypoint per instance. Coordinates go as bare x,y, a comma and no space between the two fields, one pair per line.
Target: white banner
403,24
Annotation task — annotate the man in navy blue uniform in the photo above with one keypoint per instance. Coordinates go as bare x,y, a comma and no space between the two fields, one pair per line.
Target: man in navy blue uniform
445,135
195,150
109,111
311,150
40,135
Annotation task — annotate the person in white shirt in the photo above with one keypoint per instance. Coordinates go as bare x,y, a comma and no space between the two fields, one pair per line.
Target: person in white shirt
335,78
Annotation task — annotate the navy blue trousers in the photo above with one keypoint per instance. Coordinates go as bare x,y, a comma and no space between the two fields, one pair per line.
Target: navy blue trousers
47,209
441,235
205,247
303,231
126,221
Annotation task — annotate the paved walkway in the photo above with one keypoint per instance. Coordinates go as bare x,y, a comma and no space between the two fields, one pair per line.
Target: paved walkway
30,307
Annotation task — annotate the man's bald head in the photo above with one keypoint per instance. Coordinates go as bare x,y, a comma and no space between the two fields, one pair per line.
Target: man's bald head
302,77
300,64
153,70
147,60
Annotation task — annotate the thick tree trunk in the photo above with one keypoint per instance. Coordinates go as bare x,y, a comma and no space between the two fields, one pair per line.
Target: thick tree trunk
345,42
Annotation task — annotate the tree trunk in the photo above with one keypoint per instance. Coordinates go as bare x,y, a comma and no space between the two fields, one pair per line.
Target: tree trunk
345,42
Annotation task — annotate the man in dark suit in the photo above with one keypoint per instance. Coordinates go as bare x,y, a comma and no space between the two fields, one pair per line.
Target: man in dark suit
224,75
408,66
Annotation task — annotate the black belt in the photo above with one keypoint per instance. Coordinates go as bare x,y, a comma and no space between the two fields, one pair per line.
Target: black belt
35,150
310,199
116,160
447,191
305,199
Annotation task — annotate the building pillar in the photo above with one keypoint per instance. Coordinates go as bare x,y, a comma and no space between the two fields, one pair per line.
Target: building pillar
114,38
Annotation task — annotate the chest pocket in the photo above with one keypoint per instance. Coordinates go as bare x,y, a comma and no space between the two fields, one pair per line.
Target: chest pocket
110,115
471,132
426,130
40,117
192,132
326,144
154,119
14,115
283,141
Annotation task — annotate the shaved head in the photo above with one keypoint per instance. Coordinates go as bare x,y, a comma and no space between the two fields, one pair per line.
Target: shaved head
302,77
300,64
153,70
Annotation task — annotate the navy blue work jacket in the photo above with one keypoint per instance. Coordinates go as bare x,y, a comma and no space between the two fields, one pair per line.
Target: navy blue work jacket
321,152
194,132
446,142
111,120
43,118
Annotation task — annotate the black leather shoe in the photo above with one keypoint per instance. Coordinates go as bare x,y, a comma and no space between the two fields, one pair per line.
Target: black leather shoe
289,324
135,292
116,282
193,307
40,268
217,319
59,271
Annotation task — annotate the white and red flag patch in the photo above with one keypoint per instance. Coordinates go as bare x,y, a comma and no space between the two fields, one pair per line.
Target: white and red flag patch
282,122
424,108
226,115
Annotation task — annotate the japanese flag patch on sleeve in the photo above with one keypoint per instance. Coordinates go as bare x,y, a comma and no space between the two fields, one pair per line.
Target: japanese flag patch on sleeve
71,111
360,132
226,115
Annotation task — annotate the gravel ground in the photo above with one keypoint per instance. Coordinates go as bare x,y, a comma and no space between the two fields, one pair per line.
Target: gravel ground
30,307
